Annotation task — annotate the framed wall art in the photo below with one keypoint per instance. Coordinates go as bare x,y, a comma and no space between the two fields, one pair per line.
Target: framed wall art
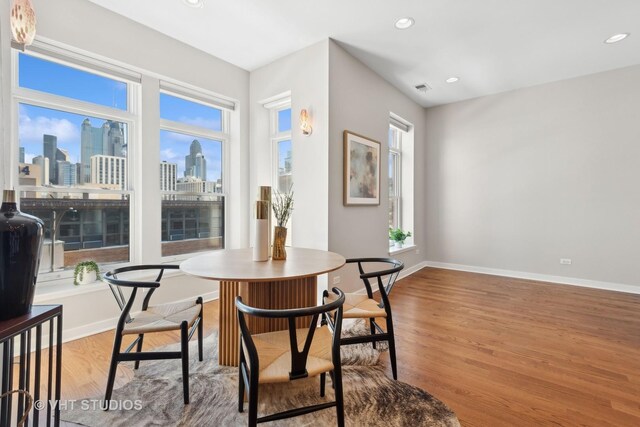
361,170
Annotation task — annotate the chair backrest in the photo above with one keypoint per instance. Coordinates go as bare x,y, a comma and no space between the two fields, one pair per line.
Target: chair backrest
385,276
116,285
298,357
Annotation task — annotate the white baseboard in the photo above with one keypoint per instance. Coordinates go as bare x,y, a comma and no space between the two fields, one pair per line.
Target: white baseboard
609,286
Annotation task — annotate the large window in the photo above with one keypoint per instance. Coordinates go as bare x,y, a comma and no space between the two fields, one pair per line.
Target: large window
401,175
73,127
192,142
80,161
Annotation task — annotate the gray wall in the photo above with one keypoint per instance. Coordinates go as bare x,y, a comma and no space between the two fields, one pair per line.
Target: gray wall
361,101
518,180
305,75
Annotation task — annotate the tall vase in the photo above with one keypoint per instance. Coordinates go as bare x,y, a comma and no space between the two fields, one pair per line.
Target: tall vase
261,237
279,238
265,195
21,238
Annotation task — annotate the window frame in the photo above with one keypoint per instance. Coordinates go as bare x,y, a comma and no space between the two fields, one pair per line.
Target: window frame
131,117
199,132
403,148
277,137
395,150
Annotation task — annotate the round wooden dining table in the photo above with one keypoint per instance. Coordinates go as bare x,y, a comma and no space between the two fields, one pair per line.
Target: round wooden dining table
291,283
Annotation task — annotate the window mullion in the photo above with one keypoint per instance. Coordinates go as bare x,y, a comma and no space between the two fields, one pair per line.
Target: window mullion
56,102
198,131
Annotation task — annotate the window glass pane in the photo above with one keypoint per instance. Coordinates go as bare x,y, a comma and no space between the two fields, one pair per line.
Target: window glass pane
86,226
190,112
190,163
51,77
192,223
394,137
393,174
284,120
284,166
71,150
393,213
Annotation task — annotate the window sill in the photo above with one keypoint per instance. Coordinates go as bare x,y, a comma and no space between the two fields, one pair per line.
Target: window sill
406,248
63,289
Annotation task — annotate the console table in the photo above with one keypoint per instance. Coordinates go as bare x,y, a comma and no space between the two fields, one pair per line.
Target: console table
27,330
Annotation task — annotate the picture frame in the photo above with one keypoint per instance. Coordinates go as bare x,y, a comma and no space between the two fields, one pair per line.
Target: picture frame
361,179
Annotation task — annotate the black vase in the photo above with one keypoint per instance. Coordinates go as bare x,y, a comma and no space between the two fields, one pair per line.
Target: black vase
21,238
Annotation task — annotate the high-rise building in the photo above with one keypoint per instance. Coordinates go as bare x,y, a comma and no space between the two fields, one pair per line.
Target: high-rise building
110,170
197,186
66,173
62,155
115,139
195,165
168,176
21,155
107,140
49,149
43,164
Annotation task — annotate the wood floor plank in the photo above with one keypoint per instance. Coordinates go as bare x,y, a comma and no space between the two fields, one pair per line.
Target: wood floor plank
499,351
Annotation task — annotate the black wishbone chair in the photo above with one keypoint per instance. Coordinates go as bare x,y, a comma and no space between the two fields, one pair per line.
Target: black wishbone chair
185,317
357,306
262,361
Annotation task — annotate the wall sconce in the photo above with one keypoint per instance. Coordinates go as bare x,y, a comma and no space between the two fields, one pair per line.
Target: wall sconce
23,22
305,123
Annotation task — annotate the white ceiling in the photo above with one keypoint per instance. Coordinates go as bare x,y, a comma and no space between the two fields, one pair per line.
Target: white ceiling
492,45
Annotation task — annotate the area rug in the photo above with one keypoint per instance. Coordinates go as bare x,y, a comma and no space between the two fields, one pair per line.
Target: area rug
154,396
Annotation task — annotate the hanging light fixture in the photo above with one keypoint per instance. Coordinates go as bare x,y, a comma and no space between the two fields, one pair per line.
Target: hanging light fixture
23,22
305,123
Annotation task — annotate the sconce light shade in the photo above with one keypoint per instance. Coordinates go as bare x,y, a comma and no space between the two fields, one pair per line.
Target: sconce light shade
23,22
305,123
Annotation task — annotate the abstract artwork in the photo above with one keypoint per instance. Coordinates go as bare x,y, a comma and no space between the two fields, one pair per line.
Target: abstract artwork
361,170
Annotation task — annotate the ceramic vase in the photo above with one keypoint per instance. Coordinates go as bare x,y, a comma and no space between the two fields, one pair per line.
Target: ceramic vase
21,239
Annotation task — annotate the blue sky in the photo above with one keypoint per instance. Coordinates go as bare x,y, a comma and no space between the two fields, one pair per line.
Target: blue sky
34,122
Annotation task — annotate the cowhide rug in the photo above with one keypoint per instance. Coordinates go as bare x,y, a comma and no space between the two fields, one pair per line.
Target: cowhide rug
154,396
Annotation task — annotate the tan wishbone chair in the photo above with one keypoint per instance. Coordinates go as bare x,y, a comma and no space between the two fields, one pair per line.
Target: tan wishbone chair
283,356
358,306
185,317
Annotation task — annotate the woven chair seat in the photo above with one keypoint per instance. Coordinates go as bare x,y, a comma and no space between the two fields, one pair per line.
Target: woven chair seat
358,306
274,354
165,317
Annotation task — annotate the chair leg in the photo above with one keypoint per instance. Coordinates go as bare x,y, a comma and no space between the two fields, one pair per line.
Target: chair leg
392,347
113,366
337,373
253,400
333,380
241,383
373,330
323,379
184,341
139,349
200,331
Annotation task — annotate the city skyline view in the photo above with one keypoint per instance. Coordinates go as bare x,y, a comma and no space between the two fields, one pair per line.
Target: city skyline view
35,121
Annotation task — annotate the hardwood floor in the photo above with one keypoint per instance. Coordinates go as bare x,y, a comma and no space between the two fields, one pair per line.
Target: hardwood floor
499,351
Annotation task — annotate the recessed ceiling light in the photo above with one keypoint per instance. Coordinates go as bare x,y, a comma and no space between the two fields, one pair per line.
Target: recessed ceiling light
194,3
452,79
404,23
616,38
